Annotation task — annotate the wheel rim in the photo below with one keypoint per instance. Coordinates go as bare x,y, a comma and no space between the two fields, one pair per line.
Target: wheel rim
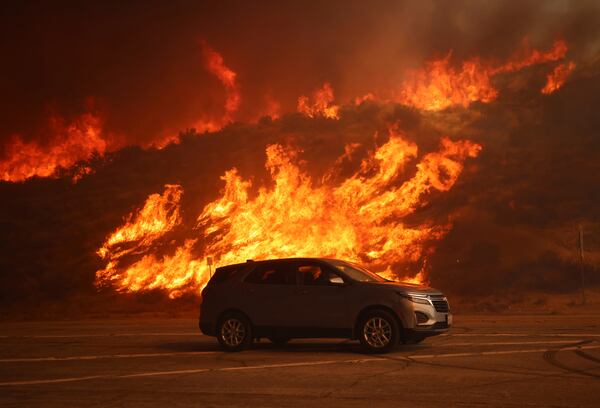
233,332
377,332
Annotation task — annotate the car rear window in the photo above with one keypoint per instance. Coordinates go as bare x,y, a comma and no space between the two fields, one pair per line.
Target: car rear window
224,273
273,274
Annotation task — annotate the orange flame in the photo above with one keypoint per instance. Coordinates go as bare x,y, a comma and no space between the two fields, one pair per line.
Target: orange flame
321,105
82,139
69,144
215,64
439,85
159,215
558,77
526,56
359,100
359,218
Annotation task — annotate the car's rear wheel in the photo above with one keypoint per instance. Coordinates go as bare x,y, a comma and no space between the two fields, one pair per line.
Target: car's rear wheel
234,332
279,341
379,332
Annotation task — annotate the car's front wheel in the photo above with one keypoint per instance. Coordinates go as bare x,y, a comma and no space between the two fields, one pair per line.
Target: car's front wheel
379,332
234,332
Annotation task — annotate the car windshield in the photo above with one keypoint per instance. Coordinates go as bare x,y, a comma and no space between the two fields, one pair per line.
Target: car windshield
356,272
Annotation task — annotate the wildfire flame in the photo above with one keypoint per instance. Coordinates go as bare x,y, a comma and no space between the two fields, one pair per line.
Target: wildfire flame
321,105
215,64
69,144
558,77
439,85
359,218
80,140
370,96
527,56
159,215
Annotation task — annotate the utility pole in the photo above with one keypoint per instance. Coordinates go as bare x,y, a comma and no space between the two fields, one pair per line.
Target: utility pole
581,266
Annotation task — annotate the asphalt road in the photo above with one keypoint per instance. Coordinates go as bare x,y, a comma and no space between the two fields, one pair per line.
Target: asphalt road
506,361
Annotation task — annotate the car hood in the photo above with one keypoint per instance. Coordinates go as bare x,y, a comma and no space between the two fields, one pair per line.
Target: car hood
407,287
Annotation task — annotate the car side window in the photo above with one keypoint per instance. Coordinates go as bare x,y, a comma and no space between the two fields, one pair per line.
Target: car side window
315,274
272,274
224,273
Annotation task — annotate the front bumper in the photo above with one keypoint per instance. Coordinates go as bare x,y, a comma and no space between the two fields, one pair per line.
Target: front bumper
436,328
430,320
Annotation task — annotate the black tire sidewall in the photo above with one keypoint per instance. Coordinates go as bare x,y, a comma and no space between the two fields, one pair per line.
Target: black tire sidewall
247,325
396,332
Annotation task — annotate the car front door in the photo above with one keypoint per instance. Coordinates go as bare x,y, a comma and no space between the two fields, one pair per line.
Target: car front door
321,300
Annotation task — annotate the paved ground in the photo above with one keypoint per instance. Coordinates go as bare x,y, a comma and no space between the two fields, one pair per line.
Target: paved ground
516,361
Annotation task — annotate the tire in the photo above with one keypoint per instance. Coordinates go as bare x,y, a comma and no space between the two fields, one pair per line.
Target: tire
234,332
379,332
279,341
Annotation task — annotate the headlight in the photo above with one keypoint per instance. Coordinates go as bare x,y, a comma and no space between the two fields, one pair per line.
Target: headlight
415,297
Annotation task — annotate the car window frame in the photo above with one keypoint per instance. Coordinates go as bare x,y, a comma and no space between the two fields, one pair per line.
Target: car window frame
324,267
276,264
348,278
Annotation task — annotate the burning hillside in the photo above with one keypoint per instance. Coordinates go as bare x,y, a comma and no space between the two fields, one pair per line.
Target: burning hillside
358,219
70,144
440,159
440,85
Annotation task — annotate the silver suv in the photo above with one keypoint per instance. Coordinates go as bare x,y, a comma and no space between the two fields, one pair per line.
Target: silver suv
313,297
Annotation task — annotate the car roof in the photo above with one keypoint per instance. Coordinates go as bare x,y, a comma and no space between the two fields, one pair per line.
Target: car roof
251,261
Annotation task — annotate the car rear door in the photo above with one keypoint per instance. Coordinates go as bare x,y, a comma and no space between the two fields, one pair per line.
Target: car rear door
268,292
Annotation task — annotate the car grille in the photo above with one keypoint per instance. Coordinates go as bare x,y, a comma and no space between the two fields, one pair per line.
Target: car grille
440,305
